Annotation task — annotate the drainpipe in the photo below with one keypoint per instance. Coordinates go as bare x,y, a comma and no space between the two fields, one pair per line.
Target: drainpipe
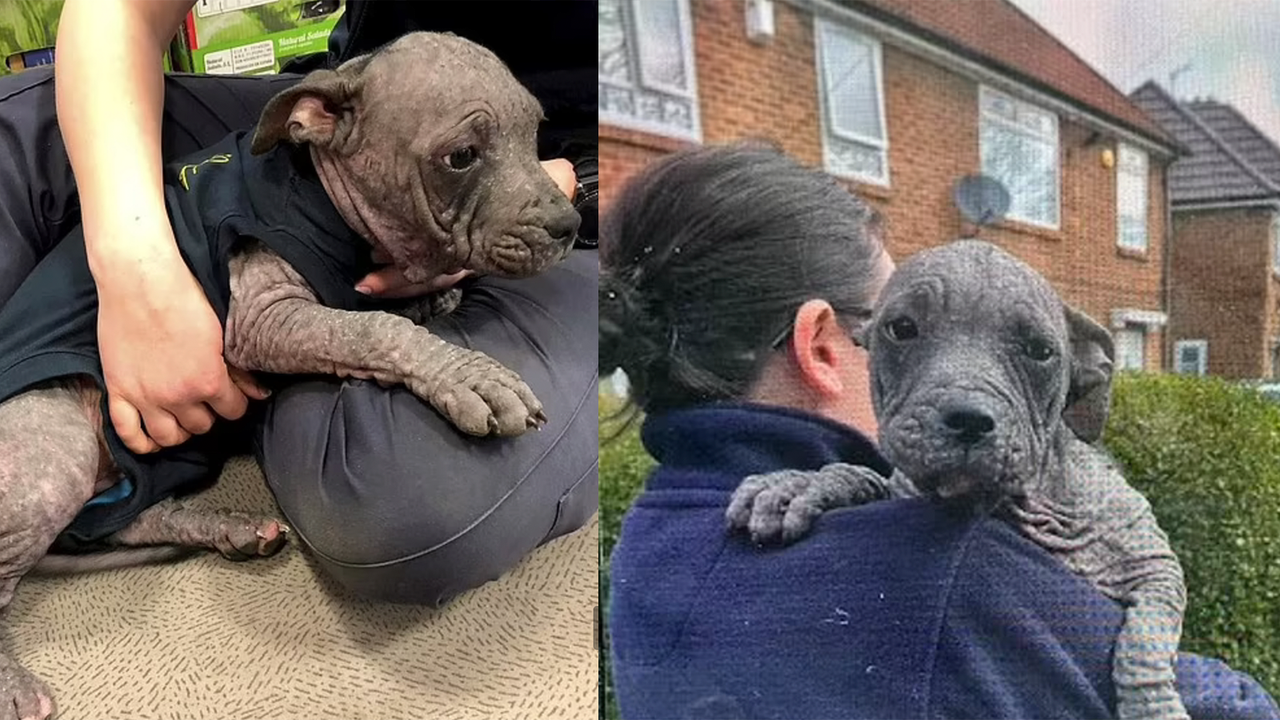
1166,286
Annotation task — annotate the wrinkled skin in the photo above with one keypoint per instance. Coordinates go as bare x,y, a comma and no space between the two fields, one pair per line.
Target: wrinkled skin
428,150
989,390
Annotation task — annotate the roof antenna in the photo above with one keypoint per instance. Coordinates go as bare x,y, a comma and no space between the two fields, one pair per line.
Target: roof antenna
1173,78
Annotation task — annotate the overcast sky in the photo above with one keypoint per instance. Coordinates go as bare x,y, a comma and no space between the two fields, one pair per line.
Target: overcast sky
1232,47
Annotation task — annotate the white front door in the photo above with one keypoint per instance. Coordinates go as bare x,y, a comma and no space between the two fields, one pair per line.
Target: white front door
1131,348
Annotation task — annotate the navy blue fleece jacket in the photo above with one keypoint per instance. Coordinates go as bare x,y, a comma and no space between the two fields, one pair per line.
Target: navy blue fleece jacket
898,609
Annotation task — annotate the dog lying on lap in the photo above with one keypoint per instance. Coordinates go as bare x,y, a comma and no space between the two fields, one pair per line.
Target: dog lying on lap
423,152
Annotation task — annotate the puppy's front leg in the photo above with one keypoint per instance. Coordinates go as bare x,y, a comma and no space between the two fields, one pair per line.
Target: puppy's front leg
276,324
1144,657
780,506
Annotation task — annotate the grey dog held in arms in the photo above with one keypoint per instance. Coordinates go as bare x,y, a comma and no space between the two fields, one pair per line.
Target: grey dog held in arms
427,151
989,389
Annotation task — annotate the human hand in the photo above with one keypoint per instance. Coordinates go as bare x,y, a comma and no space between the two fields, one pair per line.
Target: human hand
389,282
161,348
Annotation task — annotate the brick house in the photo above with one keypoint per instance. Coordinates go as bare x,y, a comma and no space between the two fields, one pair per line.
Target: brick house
900,99
1224,276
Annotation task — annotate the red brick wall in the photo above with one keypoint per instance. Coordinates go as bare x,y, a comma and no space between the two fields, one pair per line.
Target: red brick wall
771,91
1223,288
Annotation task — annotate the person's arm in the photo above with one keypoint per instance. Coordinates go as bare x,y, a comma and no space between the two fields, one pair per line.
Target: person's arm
161,342
1024,637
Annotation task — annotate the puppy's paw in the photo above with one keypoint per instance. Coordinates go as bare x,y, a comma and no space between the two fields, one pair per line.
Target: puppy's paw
1132,705
773,508
490,399
242,537
781,506
23,695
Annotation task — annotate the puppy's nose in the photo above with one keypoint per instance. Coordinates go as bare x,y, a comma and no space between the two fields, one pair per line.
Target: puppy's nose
563,226
969,424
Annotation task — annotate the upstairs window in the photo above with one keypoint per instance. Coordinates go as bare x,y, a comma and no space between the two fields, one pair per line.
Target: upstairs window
646,69
1019,147
851,93
1131,198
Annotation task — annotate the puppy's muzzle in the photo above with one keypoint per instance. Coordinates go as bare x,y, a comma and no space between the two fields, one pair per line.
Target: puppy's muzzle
562,227
966,423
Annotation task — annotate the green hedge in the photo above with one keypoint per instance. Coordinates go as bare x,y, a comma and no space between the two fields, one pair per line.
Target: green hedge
1206,452
624,465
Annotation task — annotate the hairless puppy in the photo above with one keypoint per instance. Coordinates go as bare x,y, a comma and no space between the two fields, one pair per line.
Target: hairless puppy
990,391
423,152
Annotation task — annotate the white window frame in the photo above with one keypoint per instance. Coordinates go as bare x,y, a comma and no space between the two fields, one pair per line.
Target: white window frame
639,82
1275,246
1135,163
828,126
1202,364
1141,332
984,93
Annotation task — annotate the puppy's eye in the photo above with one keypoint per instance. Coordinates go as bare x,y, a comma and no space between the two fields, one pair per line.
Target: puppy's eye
462,158
903,328
1038,349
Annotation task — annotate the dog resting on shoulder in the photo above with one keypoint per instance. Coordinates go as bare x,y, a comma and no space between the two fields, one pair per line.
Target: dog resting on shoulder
423,152
990,390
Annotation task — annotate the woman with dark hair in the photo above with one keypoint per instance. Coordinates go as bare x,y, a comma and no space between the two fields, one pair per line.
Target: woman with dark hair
731,281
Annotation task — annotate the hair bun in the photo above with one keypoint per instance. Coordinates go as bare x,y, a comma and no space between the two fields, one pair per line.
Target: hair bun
620,324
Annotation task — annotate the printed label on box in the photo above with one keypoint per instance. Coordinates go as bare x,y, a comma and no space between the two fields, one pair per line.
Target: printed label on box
219,63
251,57
245,58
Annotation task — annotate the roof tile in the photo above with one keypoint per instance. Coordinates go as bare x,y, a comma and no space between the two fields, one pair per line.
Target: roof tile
1229,158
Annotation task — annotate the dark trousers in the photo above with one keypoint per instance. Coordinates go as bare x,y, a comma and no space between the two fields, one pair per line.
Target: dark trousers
393,501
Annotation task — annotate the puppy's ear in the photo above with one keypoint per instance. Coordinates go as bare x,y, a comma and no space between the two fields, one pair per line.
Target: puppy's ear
311,111
1092,365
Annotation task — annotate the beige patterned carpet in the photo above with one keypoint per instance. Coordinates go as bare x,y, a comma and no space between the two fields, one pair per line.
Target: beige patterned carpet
272,640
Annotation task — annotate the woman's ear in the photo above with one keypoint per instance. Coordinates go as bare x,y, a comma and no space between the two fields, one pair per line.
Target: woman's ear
820,347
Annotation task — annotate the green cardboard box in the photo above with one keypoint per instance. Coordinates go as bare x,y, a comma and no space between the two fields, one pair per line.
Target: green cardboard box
253,37
28,31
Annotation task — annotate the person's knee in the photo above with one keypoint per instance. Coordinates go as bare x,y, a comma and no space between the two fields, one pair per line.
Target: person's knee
397,506
422,554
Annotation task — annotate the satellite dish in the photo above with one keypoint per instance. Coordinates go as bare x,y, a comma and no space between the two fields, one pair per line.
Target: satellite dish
981,199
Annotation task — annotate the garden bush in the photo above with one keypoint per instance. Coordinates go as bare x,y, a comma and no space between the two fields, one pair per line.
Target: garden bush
1206,452
624,465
